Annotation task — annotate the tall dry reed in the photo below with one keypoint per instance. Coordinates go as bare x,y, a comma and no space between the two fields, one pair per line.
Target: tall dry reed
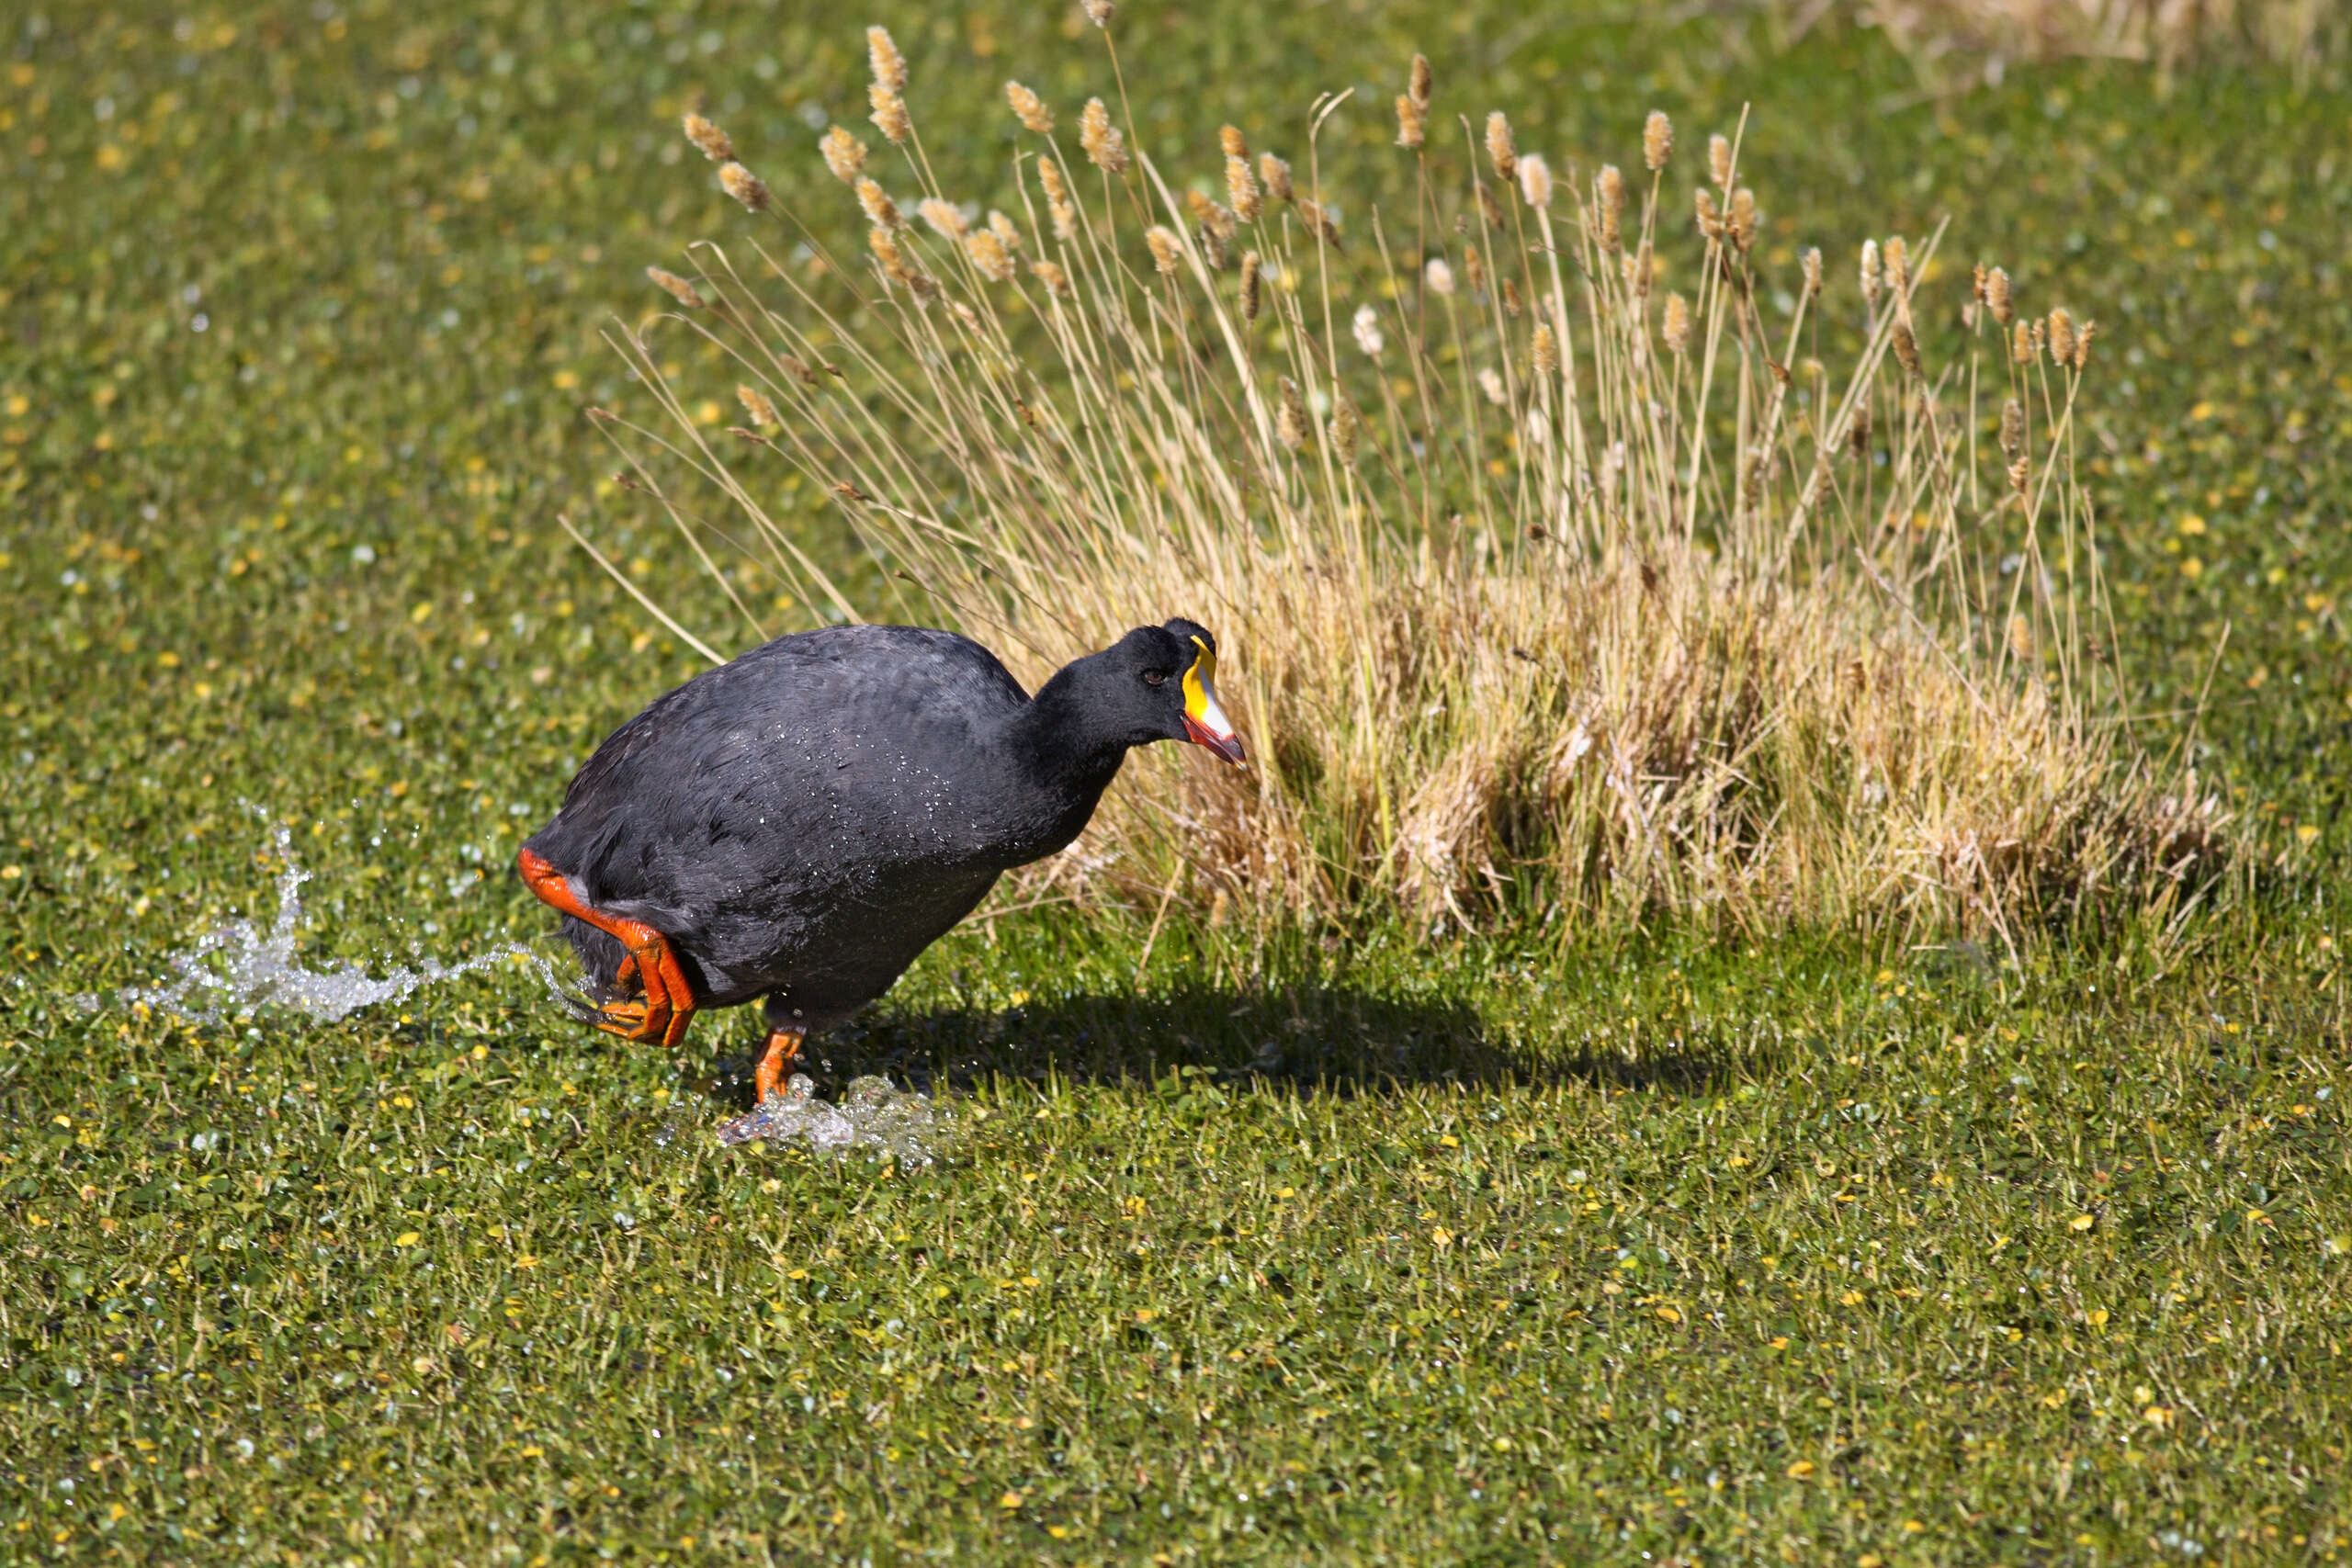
1557,576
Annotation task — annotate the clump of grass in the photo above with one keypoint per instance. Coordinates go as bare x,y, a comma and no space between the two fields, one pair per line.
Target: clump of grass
1546,591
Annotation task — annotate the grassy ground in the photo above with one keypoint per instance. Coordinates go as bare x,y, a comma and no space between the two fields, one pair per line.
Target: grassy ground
1372,1246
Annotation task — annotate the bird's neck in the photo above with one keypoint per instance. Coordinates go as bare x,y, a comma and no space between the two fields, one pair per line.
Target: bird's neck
1059,741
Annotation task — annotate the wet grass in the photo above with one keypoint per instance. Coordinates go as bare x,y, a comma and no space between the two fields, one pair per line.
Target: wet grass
1381,1246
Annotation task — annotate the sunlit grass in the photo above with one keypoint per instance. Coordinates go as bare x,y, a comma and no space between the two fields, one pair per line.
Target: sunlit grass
235,644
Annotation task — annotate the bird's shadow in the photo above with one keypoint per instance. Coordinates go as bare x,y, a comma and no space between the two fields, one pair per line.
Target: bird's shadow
1323,1038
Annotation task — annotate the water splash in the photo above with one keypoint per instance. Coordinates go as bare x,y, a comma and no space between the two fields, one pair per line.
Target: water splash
241,967
871,1115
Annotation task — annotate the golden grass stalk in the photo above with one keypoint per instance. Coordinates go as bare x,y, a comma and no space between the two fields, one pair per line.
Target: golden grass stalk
1597,618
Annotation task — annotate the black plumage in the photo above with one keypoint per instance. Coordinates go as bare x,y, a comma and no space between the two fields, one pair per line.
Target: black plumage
801,823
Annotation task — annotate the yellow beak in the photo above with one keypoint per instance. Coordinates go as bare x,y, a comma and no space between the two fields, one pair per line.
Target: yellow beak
1205,722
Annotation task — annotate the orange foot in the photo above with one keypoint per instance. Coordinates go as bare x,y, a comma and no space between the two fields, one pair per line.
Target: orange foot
667,1004
782,1055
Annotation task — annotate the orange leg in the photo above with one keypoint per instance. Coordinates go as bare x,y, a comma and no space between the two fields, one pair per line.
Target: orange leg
669,1002
782,1055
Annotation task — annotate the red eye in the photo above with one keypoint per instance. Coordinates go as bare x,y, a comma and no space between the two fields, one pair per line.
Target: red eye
1155,677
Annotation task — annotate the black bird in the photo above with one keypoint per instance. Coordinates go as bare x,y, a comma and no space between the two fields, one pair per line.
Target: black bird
801,823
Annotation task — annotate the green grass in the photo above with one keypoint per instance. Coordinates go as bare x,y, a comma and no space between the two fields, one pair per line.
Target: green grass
1709,1215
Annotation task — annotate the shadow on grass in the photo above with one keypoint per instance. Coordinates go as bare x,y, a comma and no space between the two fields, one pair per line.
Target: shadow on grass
1318,1038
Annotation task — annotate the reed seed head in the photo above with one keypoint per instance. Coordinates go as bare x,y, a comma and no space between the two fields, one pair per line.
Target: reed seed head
1658,140
2021,472
1500,149
1214,215
946,219
895,265
1898,268
2021,343
2062,337
1490,382
1710,219
1642,267
1242,190
1719,160
1319,219
1105,148
1534,181
1231,142
1545,351
1253,286
1275,173
889,116
1474,267
1858,435
756,407
1676,328
714,142
990,257
744,186
1608,200
1419,82
1064,211
889,65
1290,420
1347,432
1099,12
1742,222
1051,275
844,154
1412,122
677,287
2081,358
2012,430
1488,207
1510,295
1906,346
1996,297
1029,108
1006,233
1438,275
1367,330
1167,248
1873,274
1812,264
880,210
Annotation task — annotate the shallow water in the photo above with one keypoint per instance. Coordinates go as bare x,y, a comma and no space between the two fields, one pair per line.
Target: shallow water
900,1123
241,967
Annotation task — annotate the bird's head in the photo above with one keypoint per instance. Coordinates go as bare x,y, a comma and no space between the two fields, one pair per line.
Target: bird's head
1165,678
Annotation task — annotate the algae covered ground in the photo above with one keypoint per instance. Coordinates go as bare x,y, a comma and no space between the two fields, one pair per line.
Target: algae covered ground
1368,1245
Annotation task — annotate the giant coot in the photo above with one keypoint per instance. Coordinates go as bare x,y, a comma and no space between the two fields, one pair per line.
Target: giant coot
801,823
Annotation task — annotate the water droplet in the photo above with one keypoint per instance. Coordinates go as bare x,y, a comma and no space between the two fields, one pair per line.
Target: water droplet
896,1123
239,967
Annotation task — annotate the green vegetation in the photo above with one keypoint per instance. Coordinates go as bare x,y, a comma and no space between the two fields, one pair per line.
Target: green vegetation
1366,1244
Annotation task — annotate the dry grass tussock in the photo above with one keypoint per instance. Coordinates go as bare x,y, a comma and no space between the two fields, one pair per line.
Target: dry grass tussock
1546,590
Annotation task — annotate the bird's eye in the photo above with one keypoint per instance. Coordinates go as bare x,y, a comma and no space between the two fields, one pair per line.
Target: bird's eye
1155,677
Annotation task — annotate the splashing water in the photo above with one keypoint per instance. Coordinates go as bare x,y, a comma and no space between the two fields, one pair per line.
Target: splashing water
871,1115
239,967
